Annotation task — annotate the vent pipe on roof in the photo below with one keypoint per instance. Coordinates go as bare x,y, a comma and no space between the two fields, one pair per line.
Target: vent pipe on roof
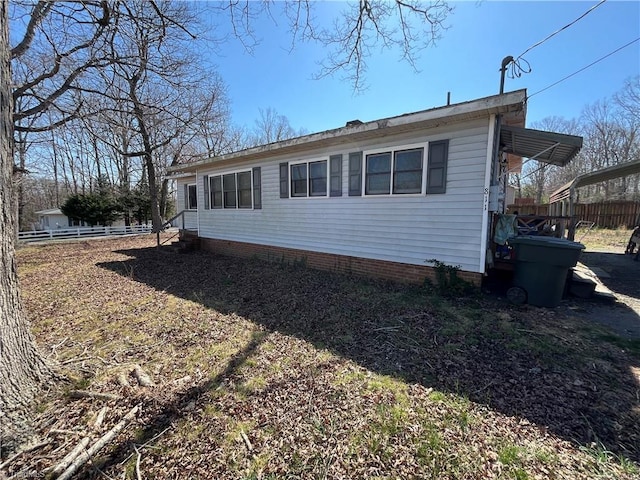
448,98
503,70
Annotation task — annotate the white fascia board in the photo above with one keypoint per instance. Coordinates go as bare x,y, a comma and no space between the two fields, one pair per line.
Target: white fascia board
176,176
497,104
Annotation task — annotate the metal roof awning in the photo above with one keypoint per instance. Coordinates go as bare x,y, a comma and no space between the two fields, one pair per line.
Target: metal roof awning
548,147
609,173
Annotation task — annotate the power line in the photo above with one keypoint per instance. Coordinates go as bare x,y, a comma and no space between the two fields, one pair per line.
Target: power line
560,30
584,68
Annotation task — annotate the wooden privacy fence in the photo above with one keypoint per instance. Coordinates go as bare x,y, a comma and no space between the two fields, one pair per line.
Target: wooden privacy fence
611,214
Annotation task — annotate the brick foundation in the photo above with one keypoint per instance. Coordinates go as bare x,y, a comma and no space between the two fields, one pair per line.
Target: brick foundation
400,272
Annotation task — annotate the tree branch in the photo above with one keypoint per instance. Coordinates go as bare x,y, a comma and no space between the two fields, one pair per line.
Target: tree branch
39,12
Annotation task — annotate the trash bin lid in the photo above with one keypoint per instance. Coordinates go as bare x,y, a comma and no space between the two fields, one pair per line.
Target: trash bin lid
542,241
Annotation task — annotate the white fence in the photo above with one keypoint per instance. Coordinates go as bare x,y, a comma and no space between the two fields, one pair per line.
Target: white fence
77,232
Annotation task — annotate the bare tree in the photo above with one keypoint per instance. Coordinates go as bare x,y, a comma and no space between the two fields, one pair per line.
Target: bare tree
611,131
405,26
22,368
64,42
273,127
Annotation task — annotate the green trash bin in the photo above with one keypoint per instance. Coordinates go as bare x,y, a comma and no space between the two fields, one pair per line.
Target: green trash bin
542,265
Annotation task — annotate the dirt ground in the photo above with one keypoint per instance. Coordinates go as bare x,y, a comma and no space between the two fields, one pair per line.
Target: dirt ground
622,277
278,371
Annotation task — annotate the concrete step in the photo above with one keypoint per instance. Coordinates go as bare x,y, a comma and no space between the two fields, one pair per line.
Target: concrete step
586,283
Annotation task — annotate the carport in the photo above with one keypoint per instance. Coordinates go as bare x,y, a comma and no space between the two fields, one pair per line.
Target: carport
561,202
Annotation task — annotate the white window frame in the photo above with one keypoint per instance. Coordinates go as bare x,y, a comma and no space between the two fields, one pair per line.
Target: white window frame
393,150
187,200
307,162
221,175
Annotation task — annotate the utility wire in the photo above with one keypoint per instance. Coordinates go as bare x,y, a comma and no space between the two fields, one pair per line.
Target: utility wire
560,30
520,65
584,68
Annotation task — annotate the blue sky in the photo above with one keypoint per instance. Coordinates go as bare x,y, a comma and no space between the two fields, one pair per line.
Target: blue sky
465,62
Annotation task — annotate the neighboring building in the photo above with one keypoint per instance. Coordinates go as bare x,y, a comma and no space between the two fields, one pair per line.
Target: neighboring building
378,198
53,218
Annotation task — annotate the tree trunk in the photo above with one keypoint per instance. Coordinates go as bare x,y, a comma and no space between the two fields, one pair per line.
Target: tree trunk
22,367
164,191
148,153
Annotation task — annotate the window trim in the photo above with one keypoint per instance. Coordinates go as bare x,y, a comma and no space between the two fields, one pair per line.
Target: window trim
308,179
235,173
188,197
392,150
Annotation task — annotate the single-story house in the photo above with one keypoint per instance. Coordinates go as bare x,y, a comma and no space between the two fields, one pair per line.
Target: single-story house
383,198
52,218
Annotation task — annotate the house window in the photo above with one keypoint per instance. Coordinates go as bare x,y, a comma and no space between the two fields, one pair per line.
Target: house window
236,190
216,192
192,197
378,174
396,172
309,179
407,171
229,190
244,189
318,179
299,180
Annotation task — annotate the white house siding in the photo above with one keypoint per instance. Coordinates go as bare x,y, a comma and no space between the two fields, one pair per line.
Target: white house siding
190,216
407,229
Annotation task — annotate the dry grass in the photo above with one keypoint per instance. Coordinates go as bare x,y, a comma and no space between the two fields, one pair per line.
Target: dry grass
602,239
274,371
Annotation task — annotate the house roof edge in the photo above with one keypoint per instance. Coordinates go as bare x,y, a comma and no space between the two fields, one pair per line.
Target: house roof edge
495,104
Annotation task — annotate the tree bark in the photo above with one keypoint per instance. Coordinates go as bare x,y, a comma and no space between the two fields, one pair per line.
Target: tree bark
148,149
22,367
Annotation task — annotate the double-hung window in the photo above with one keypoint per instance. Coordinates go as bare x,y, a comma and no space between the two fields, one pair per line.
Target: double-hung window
309,179
394,172
236,190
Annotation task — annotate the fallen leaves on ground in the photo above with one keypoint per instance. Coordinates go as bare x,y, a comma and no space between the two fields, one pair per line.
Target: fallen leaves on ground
265,370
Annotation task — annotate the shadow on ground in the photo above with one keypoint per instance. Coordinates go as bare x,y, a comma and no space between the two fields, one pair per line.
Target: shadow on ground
620,274
522,361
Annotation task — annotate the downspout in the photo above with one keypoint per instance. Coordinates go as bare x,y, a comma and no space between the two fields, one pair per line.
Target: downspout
494,129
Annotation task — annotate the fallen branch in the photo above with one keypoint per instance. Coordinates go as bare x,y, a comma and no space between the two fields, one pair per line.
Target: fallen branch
100,417
138,475
122,380
146,444
143,378
96,447
96,395
70,457
246,441
26,450
56,346
64,432
76,359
